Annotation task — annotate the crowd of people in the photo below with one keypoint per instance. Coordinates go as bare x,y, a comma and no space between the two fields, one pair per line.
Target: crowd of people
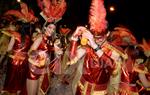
46,59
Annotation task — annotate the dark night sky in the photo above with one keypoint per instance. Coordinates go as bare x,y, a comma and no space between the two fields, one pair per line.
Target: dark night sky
132,13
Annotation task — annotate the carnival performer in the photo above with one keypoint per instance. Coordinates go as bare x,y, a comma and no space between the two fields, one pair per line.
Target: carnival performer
60,45
57,64
101,59
39,59
57,69
122,37
98,63
132,71
38,81
4,42
18,47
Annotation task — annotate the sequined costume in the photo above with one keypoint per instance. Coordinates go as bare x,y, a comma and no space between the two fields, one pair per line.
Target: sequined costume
130,72
33,75
39,61
128,79
18,65
96,74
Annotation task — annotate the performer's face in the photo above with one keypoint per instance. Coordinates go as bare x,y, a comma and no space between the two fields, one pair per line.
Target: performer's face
99,39
50,29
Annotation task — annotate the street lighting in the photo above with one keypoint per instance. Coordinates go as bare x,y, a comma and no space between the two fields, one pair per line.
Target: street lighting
111,8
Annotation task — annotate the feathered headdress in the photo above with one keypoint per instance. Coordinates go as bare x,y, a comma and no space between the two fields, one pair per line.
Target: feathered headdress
52,10
97,15
122,36
25,14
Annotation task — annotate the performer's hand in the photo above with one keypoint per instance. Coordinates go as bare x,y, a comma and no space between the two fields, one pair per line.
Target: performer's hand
78,32
91,41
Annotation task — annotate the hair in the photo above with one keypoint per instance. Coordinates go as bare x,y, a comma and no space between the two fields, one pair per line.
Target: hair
24,29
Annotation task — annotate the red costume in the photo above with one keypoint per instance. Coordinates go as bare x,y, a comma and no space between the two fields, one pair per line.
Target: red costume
17,65
128,79
38,70
96,73
123,37
52,10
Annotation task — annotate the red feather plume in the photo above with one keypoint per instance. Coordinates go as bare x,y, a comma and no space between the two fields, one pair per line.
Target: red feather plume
97,16
52,9
24,14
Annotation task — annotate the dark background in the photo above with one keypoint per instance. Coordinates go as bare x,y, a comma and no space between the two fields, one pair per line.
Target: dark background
132,13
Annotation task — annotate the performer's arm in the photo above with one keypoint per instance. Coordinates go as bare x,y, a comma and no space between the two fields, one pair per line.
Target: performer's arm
11,44
74,41
36,43
91,42
83,33
79,54
97,49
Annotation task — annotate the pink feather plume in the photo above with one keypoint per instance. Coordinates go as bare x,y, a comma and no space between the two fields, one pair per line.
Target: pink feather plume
24,14
97,16
52,9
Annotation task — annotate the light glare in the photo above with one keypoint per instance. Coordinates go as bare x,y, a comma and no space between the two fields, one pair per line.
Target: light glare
18,1
112,8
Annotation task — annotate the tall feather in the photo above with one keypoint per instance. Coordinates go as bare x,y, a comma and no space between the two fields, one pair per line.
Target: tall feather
15,13
97,15
52,9
24,14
